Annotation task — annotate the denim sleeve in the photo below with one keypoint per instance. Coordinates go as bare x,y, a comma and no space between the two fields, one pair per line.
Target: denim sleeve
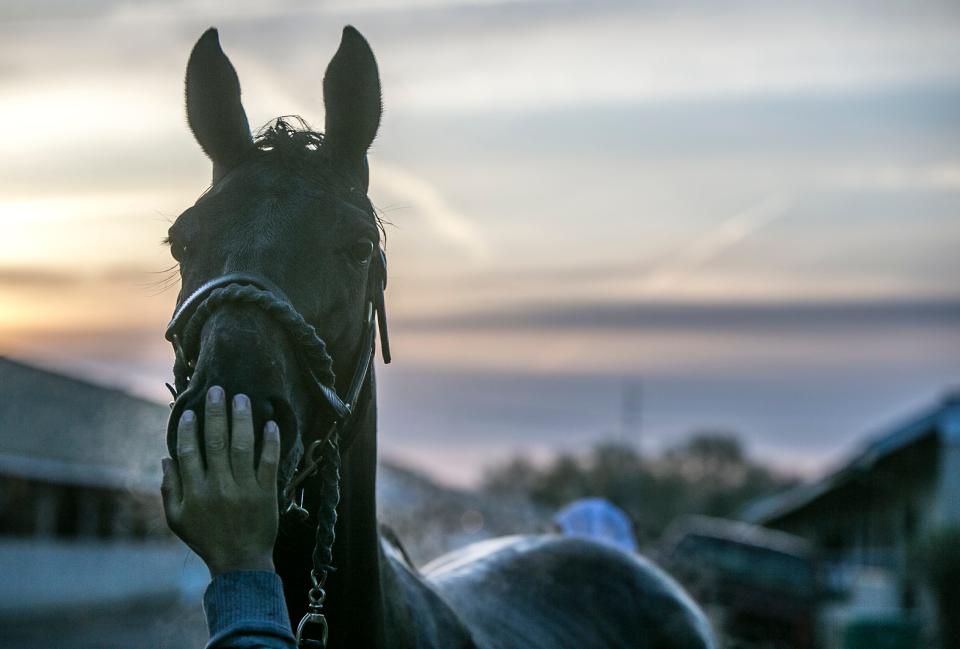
246,610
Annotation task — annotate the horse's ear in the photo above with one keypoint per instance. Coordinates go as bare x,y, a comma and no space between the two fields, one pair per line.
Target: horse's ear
214,111
351,97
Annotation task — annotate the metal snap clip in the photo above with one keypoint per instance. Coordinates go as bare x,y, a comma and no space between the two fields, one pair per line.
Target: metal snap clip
310,620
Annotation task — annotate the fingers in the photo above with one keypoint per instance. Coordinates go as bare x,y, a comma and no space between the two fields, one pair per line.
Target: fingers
171,491
269,456
188,452
226,446
215,435
241,440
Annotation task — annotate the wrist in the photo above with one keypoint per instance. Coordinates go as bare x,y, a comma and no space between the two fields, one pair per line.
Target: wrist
221,566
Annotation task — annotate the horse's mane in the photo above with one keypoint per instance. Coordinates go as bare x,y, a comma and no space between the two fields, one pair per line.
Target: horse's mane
289,137
289,141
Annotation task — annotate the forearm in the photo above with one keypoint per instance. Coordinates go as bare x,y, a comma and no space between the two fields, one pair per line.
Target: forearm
246,610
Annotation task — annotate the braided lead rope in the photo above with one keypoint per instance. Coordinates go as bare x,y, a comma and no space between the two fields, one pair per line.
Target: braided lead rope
327,509
314,622
301,332
313,630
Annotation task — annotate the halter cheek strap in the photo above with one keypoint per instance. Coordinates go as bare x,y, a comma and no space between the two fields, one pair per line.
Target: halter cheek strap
380,281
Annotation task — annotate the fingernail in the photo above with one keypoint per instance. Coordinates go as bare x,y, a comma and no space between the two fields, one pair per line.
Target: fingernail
186,417
240,402
272,428
215,395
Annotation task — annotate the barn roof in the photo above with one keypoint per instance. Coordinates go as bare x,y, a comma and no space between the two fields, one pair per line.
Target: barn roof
932,422
60,429
737,532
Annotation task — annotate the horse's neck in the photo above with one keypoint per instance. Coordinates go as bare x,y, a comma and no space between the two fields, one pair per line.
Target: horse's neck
354,605
355,593
370,601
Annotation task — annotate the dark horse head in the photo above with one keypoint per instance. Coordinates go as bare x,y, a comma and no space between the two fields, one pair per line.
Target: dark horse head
289,206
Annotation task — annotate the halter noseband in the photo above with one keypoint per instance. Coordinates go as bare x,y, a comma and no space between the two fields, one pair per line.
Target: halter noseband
323,455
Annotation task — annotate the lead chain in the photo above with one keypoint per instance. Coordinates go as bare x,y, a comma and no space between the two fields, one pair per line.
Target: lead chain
314,616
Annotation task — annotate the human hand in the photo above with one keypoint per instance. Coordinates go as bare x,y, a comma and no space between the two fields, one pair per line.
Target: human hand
226,512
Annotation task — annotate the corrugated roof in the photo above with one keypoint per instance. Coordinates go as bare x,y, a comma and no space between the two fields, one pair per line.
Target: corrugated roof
875,449
61,429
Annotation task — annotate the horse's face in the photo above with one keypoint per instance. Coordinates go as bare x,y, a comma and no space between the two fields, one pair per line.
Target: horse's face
288,209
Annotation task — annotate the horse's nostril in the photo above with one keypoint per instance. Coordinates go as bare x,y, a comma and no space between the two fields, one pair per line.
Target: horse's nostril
282,413
269,412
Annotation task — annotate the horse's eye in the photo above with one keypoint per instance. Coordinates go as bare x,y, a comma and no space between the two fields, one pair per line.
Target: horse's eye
361,250
178,250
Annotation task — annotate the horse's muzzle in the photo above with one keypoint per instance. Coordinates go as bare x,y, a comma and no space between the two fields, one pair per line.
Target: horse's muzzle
243,352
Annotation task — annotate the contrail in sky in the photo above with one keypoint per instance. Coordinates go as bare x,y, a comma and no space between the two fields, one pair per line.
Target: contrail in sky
704,249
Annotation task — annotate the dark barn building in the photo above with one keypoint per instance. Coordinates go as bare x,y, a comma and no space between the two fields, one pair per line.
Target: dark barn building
76,460
869,517
80,515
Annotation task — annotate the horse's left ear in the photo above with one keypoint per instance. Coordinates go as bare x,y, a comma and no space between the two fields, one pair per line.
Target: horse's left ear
351,97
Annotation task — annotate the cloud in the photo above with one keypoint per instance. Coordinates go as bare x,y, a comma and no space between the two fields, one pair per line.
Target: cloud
490,55
130,275
648,52
693,316
885,177
432,207
27,277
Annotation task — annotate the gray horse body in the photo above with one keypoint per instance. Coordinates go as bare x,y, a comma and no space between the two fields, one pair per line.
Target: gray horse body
556,592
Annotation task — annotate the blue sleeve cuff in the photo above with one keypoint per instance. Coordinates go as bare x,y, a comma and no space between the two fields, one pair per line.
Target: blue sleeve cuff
246,609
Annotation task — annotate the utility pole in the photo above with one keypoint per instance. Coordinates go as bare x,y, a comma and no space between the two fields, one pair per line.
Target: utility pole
630,412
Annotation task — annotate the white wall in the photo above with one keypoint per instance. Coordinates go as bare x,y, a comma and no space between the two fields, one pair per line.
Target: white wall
41,574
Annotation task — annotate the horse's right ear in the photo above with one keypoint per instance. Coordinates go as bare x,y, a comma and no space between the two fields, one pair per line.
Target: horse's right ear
214,111
351,96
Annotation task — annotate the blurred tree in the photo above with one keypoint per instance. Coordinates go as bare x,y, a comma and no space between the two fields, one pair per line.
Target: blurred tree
709,473
518,475
616,472
563,481
717,454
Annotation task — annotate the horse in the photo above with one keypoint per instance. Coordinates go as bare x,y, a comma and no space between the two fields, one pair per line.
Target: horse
282,296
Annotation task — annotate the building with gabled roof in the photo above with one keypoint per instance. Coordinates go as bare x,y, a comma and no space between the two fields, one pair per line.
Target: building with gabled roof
76,459
81,522
910,472
871,514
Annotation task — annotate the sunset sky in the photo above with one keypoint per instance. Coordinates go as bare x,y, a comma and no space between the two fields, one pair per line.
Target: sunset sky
749,209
